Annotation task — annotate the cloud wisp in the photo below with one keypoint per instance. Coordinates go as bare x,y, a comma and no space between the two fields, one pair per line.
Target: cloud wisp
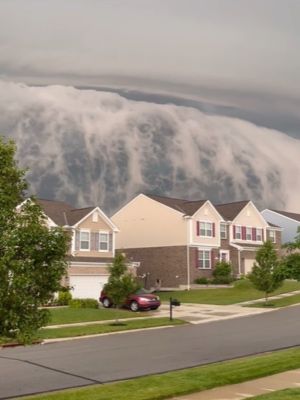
91,147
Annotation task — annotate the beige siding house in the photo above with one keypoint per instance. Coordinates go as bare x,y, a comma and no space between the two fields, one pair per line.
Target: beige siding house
92,245
175,240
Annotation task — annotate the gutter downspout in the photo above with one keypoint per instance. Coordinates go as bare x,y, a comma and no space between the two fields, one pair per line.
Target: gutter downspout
188,273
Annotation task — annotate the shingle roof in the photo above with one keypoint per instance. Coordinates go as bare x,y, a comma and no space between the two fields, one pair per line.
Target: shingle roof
291,215
63,213
230,210
187,207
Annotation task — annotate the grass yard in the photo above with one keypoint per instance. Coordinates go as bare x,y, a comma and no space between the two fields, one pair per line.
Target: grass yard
287,394
191,380
54,333
285,301
242,291
68,315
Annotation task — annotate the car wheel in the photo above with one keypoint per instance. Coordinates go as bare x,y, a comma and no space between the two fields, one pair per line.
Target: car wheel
154,308
134,306
106,303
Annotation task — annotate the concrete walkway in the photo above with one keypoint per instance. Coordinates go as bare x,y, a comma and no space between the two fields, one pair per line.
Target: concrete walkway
279,296
284,380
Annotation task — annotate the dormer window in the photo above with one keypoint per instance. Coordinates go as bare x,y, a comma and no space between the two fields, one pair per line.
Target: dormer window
84,240
103,241
248,233
206,229
238,232
272,236
223,231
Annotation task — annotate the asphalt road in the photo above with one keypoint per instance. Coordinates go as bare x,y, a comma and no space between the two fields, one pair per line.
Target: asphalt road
87,361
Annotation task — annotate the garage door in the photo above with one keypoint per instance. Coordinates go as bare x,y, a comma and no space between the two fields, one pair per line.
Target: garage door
87,286
248,265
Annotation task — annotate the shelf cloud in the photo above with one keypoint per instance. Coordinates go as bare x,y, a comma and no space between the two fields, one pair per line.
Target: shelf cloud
94,147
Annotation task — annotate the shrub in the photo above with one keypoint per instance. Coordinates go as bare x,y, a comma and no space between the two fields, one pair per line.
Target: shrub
84,303
64,298
202,281
222,273
243,283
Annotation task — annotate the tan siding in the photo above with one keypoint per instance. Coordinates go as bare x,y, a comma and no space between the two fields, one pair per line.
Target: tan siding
147,223
207,213
87,270
100,225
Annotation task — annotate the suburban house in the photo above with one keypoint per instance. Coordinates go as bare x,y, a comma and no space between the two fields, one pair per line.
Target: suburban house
176,241
288,221
92,245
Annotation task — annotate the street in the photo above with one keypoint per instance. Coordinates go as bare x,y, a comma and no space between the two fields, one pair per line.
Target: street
82,362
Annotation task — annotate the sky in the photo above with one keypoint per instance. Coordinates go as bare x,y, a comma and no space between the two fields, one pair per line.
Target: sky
243,44
232,58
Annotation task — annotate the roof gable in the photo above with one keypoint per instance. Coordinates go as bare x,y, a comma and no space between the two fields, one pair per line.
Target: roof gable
230,211
186,207
287,214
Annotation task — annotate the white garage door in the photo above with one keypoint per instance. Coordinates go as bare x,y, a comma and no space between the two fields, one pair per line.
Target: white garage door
248,265
87,286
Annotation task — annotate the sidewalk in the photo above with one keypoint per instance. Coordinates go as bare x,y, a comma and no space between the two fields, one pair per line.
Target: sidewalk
284,380
279,296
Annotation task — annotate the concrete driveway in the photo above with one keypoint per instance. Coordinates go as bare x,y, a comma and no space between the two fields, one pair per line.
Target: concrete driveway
202,313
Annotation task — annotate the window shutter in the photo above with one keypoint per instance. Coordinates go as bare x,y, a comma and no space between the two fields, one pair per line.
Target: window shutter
262,235
211,259
77,240
93,241
97,238
110,242
253,233
243,233
198,228
233,228
213,229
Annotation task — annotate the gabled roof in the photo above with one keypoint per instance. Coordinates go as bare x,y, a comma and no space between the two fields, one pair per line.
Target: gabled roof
63,213
55,210
291,215
230,210
187,207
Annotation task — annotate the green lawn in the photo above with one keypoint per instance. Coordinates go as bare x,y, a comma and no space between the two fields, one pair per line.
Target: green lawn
287,394
285,301
54,333
68,315
242,291
191,380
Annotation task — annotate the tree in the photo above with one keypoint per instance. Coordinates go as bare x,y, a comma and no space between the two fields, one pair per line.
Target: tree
267,274
32,257
292,259
222,272
121,283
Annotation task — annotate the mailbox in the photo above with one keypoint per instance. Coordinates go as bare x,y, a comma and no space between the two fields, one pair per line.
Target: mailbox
175,302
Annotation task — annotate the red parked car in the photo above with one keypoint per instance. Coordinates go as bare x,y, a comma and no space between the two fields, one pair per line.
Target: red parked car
141,300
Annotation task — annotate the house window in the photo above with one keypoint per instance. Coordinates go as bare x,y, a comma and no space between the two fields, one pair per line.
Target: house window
223,230
248,233
204,259
259,234
84,240
272,236
238,232
206,229
103,241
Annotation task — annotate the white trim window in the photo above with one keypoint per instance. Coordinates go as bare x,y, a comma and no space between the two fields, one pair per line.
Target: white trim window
272,236
248,233
223,231
238,232
84,240
204,259
259,235
206,229
103,241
